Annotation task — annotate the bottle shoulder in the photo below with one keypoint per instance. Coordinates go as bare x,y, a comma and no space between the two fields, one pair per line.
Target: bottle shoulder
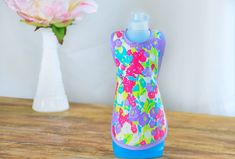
159,34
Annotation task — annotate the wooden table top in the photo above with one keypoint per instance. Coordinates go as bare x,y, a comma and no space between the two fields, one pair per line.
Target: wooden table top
83,132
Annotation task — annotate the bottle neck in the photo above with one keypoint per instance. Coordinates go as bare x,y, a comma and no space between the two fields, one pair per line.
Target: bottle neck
138,28
138,32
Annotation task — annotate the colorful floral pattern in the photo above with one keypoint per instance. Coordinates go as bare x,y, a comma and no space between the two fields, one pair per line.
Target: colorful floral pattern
138,118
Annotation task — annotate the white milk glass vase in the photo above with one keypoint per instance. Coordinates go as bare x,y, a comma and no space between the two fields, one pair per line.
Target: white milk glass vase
52,18
50,94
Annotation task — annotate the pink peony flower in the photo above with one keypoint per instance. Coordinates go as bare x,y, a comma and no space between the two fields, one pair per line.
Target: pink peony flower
55,14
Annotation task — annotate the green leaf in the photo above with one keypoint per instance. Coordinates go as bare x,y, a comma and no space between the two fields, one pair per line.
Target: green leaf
59,33
37,28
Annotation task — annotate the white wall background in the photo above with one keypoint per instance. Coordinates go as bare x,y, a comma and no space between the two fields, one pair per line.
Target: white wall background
198,71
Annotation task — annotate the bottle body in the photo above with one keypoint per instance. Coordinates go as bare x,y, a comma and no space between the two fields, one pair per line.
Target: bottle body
139,124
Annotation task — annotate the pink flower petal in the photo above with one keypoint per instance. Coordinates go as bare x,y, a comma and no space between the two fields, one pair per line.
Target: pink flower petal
51,11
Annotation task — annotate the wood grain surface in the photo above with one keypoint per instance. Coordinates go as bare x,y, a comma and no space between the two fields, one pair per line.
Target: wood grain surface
83,132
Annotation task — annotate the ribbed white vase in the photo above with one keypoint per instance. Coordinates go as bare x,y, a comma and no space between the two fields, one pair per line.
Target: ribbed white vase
50,95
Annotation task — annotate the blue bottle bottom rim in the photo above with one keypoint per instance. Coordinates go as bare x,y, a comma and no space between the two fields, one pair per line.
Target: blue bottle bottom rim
153,152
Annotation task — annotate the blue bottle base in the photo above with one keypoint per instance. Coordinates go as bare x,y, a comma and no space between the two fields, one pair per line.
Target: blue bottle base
153,152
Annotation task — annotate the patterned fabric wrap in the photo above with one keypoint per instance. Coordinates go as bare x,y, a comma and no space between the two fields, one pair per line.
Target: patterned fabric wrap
138,120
